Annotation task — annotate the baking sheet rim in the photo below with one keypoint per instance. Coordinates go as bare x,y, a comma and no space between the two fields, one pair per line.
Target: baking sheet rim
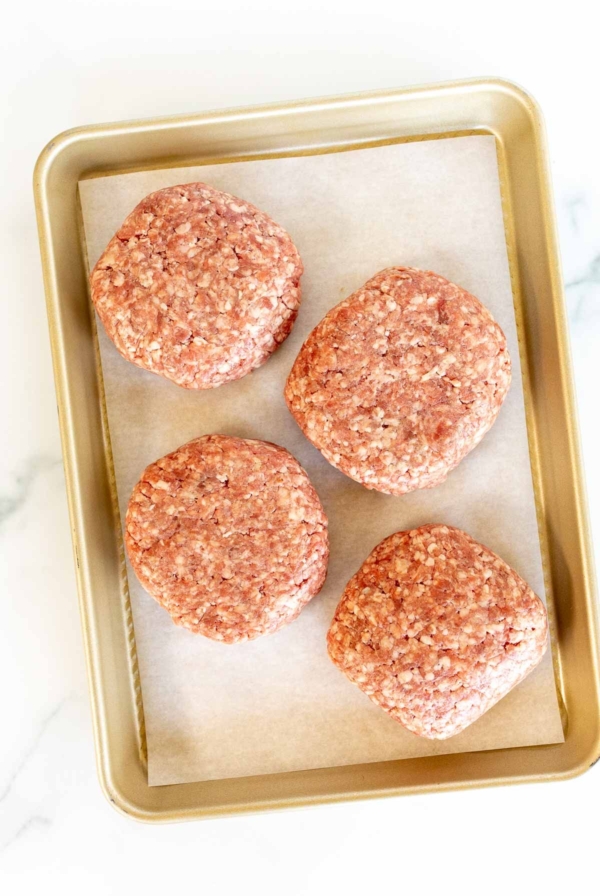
43,166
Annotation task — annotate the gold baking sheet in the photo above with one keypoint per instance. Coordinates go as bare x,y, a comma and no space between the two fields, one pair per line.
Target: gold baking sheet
486,107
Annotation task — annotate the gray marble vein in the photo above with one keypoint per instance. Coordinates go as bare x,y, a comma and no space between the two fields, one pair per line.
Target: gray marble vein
573,206
32,748
36,821
590,276
582,301
14,499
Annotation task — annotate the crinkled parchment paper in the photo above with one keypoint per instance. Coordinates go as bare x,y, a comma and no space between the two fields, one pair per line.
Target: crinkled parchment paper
278,703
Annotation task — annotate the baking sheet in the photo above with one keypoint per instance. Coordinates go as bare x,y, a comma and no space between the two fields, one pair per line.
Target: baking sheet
279,704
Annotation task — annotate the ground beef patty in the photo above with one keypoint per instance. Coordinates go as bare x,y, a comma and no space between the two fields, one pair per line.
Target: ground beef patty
401,380
435,629
229,536
197,286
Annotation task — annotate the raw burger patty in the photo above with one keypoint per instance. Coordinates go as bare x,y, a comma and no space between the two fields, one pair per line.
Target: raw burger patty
197,286
435,629
401,380
229,536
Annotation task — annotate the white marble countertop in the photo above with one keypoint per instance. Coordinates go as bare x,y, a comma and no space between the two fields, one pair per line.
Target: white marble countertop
68,63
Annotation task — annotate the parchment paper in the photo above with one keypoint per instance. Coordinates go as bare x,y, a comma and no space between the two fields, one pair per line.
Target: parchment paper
278,703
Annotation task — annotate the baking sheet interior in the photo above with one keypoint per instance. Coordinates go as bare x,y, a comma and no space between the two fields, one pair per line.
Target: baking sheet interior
278,703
